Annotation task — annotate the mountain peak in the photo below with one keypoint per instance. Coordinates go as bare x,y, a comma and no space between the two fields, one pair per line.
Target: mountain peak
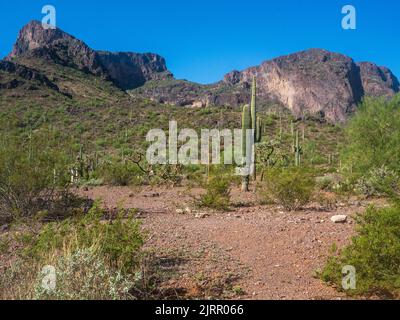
310,82
55,45
127,70
33,36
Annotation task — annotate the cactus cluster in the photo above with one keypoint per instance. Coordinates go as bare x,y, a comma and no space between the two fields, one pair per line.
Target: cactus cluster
84,166
250,121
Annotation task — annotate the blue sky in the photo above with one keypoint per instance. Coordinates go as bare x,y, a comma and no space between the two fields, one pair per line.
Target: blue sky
203,40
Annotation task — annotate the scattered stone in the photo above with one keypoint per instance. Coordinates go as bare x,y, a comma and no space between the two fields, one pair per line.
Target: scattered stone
188,210
201,215
151,195
179,211
339,219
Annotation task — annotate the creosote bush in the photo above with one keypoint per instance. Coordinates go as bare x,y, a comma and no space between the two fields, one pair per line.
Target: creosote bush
374,253
217,187
96,256
379,182
118,173
372,138
33,174
290,187
116,238
85,275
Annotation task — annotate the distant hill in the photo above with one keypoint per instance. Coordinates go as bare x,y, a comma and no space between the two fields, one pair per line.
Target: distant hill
314,82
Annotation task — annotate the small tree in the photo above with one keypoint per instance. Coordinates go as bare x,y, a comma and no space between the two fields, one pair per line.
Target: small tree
33,171
373,137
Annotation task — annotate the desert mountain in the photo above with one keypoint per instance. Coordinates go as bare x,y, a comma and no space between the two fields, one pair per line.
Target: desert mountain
126,70
311,82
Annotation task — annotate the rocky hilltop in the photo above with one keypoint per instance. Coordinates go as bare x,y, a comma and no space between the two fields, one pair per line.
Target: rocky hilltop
127,70
311,82
131,70
318,82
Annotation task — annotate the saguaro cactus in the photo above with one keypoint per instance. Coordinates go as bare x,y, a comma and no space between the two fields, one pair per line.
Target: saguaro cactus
246,125
298,151
250,121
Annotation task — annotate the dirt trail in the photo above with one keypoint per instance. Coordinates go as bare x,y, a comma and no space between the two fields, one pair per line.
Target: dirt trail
275,253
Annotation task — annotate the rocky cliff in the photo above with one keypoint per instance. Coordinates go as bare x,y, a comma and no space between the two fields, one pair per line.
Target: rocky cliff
378,81
20,75
311,82
127,70
308,82
131,70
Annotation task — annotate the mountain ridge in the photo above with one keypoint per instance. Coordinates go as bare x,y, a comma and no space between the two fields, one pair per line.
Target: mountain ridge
310,82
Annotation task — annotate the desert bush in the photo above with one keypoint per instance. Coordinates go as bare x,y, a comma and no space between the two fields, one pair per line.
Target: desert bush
374,253
217,187
372,137
96,256
118,173
328,182
33,174
84,275
292,187
379,182
116,238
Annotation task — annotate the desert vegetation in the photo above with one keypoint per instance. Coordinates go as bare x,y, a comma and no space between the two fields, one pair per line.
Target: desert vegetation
50,159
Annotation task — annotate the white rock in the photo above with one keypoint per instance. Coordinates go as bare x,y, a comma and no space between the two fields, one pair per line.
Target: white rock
188,210
201,215
339,219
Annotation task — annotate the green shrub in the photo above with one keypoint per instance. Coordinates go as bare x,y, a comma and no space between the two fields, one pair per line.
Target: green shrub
379,182
372,137
33,172
329,182
374,253
217,194
117,239
95,255
118,173
292,187
84,275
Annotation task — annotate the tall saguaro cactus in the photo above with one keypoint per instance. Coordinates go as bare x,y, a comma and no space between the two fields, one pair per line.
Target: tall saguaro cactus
250,121
246,125
298,150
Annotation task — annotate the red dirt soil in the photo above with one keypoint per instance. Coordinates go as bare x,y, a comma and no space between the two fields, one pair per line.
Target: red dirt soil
272,253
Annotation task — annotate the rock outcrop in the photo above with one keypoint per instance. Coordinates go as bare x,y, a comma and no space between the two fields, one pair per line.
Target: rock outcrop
378,81
308,83
311,82
127,70
22,73
53,44
314,82
131,70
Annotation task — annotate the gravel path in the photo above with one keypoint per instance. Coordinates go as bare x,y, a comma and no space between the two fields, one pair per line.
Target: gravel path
269,253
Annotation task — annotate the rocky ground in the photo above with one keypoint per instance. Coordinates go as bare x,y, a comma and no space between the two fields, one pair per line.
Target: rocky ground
251,252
